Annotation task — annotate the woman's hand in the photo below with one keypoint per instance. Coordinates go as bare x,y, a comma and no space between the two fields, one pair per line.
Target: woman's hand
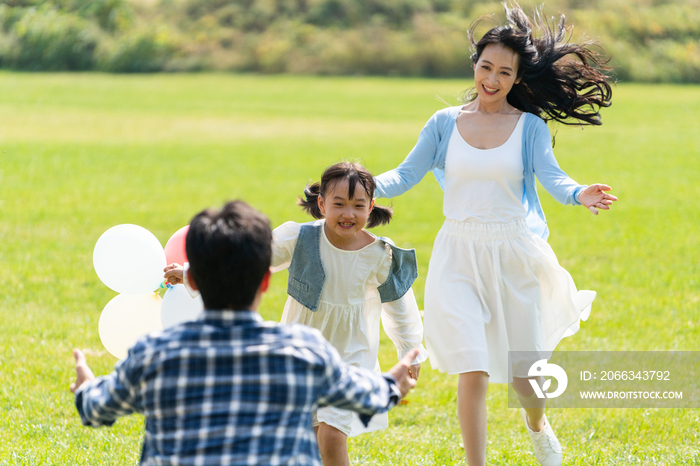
173,274
594,197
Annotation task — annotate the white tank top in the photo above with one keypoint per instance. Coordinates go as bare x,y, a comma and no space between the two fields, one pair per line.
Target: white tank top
484,185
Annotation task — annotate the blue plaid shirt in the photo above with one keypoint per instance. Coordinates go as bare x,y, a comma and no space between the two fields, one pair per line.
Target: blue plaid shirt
231,389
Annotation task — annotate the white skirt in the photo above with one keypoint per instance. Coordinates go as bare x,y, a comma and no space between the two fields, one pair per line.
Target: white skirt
494,288
348,422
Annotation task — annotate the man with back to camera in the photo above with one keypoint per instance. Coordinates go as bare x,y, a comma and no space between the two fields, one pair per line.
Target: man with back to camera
230,388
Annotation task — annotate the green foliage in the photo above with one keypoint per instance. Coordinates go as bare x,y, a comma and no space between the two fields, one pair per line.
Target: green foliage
8,17
648,40
44,39
660,44
354,13
372,50
259,14
139,52
111,15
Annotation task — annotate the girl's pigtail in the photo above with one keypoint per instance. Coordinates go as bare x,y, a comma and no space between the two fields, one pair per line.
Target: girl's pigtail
380,215
310,204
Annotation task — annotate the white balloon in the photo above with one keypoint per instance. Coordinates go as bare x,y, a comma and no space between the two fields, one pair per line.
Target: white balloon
178,306
126,318
129,259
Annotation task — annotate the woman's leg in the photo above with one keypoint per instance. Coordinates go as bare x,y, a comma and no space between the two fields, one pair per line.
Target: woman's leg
533,406
333,446
547,448
471,411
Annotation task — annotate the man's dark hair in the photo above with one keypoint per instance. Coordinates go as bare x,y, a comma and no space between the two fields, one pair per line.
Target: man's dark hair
229,252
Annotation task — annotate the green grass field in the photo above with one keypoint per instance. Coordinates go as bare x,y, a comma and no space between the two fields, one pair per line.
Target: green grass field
80,153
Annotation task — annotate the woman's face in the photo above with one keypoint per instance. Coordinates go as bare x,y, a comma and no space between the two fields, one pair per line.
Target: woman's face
495,72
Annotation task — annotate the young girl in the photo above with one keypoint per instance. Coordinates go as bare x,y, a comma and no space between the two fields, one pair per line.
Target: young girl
494,285
342,281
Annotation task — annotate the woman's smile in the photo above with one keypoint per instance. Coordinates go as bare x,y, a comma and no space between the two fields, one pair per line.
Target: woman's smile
489,90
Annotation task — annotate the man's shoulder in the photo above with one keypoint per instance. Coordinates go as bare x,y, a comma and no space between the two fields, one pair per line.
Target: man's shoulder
304,345
156,342
273,336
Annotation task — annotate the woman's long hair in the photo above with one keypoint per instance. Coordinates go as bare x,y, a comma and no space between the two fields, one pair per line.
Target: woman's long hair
559,80
354,173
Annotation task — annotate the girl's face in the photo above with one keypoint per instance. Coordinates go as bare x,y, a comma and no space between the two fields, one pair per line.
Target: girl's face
345,217
495,73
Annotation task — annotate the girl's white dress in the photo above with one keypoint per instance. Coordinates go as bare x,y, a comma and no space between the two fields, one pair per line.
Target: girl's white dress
493,286
350,310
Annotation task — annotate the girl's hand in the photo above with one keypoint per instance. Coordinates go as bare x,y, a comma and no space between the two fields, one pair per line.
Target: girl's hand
173,273
594,198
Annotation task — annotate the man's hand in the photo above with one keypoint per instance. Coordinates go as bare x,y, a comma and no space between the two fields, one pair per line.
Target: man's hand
400,372
82,371
173,273
414,371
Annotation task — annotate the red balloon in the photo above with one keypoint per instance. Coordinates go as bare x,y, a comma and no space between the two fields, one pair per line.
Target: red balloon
175,248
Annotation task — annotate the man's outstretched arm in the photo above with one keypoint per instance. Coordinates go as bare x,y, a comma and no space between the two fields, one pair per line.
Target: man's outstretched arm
100,401
364,391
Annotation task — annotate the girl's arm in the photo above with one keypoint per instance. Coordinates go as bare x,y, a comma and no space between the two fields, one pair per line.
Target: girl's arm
284,240
403,325
176,274
419,161
401,318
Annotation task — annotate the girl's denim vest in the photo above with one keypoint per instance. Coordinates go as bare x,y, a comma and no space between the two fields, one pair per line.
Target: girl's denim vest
306,275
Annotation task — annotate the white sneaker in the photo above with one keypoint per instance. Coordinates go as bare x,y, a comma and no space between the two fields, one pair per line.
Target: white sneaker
547,448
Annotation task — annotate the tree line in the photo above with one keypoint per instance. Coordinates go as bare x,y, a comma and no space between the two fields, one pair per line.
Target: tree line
647,40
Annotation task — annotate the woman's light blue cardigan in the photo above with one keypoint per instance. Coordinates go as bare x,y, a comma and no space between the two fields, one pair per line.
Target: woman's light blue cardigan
430,152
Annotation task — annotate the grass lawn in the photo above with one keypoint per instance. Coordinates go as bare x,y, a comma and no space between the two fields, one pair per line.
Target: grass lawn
80,153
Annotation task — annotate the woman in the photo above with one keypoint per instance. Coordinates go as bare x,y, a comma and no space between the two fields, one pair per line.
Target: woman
494,285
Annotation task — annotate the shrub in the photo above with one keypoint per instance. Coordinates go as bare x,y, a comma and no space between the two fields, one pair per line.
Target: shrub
8,17
649,40
139,52
111,15
44,39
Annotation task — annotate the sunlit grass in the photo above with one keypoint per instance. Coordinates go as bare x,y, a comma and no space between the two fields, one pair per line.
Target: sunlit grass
81,153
